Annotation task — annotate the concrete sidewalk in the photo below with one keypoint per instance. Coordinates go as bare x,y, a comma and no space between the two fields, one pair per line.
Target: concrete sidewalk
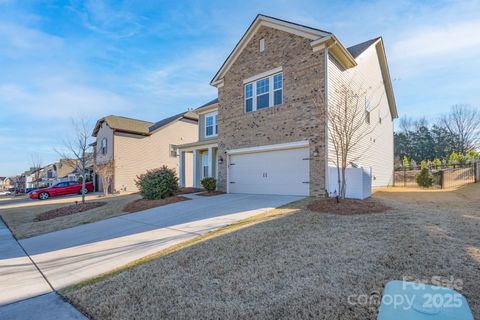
72,255
46,307
19,278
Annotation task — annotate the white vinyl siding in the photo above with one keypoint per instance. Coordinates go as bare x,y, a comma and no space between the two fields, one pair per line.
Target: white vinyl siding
376,150
263,93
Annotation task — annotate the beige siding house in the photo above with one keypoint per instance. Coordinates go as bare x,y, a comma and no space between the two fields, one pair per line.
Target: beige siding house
267,133
136,146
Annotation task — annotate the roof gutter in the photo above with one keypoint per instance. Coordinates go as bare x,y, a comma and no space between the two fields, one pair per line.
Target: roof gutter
337,49
326,111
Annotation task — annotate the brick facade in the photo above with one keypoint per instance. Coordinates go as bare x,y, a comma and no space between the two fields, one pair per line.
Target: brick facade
300,117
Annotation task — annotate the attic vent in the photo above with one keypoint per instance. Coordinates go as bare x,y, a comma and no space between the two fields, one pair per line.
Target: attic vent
262,45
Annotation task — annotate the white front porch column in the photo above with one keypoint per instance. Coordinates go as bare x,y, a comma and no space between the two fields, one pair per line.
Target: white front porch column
181,169
210,161
194,160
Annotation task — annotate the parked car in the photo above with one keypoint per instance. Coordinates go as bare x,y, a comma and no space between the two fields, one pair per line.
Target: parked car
28,190
61,189
5,193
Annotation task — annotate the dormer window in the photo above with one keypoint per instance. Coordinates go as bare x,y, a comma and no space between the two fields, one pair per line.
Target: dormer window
265,92
211,124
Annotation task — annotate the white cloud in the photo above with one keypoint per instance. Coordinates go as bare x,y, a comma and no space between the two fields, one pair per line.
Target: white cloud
17,39
60,101
438,41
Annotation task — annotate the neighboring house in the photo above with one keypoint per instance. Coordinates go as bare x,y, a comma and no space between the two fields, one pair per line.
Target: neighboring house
267,133
33,177
2,183
66,170
9,183
136,146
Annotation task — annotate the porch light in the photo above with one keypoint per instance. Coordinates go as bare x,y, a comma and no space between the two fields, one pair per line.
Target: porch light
220,160
315,152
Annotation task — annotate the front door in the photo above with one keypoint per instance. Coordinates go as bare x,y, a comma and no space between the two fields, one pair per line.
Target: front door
204,165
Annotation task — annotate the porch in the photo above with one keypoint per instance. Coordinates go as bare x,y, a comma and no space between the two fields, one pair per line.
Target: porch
203,164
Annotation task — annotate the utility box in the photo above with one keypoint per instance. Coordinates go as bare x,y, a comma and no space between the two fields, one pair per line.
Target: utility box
358,181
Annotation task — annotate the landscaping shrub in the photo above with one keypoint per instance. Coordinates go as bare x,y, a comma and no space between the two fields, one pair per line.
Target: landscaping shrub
157,183
209,183
425,178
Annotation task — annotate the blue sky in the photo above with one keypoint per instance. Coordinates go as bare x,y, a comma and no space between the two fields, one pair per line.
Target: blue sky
150,59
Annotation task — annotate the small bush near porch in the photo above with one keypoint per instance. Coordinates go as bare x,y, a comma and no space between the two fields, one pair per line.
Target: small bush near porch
209,183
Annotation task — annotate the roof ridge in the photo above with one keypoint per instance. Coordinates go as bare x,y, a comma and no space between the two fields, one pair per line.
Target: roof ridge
359,48
128,118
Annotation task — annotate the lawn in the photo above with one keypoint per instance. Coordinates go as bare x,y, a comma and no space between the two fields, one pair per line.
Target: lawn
21,216
292,263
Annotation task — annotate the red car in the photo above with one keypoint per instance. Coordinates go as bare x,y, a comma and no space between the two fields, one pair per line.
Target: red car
61,189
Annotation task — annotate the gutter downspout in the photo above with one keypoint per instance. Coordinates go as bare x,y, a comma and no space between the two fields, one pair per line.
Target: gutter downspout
326,116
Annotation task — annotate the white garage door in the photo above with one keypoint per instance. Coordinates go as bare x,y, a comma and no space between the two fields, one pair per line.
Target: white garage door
283,172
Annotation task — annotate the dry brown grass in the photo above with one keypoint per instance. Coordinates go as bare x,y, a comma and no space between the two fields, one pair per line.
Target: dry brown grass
20,217
68,210
347,206
301,264
144,204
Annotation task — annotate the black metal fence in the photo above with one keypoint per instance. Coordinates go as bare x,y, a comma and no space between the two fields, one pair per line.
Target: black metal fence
442,177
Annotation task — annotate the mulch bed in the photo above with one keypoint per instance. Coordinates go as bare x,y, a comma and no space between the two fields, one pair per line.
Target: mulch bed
68,210
209,194
189,190
144,204
348,206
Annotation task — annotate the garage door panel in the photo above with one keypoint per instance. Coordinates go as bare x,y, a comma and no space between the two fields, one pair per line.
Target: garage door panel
274,172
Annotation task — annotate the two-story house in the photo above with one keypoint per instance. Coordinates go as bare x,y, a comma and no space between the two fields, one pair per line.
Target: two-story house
135,146
267,133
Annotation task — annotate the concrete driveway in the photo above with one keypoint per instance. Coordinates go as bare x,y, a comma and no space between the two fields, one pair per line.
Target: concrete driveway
72,255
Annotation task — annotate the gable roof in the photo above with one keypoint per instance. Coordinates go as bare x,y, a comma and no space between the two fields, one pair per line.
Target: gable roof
184,115
358,49
124,124
209,103
263,20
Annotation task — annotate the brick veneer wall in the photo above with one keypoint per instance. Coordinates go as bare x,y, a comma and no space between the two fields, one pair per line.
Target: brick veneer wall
300,117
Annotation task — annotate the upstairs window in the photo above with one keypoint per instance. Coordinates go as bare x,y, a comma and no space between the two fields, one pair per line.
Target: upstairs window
249,97
211,124
103,146
264,93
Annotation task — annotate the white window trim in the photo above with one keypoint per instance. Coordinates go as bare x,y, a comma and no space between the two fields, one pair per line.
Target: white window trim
263,75
271,91
213,114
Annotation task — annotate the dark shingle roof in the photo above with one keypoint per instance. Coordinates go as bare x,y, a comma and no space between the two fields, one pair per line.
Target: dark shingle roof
357,49
208,103
164,122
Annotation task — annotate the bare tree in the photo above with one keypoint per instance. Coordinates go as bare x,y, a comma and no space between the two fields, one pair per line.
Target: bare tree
77,153
105,170
464,122
35,165
348,124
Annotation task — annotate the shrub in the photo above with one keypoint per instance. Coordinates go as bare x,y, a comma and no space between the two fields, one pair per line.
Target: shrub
157,183
209,183
425,178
